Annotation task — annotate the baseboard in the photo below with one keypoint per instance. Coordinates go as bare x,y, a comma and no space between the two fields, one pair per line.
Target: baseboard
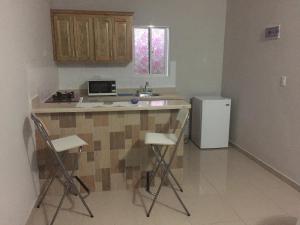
268,167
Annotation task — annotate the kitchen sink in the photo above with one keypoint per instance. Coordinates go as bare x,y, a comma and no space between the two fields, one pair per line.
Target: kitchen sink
120,98
147,94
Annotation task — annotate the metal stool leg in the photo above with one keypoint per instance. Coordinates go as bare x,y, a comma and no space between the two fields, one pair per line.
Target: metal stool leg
59,206
162,161
148,179
156,195
78,179
86,206
180,200
73,186
43,194
164,176
82,184
170,172
156,167
165,168
166,172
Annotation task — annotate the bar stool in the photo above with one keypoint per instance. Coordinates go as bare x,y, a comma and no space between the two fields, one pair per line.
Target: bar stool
160,143
59,147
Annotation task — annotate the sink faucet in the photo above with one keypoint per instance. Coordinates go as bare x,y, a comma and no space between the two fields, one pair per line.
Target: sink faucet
146,86
144,91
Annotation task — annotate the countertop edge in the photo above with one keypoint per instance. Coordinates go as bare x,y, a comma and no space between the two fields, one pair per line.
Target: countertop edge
45,110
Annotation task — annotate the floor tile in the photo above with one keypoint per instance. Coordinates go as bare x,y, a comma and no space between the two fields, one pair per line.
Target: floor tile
221,187
248,202
274,220
229,223
210,209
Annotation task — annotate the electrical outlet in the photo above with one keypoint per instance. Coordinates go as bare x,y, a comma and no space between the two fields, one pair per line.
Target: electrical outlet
283,81
272,33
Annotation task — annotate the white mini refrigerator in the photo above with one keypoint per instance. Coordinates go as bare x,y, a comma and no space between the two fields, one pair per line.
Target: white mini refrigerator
210,121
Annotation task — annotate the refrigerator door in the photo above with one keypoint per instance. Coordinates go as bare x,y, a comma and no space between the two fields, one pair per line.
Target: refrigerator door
215,123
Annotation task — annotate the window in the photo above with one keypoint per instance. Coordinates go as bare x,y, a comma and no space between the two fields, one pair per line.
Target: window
151,50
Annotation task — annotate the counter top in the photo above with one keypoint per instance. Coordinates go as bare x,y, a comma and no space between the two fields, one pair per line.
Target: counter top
168,99
117,106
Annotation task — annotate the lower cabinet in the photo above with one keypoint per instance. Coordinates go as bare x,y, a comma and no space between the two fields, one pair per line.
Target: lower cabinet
92,36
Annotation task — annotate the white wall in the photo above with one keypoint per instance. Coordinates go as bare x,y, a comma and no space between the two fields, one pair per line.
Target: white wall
26,69
265,117
74,77
197,30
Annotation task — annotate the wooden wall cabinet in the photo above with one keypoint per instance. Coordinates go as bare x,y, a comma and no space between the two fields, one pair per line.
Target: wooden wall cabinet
63,42
103,27
83,38
92,36
122,38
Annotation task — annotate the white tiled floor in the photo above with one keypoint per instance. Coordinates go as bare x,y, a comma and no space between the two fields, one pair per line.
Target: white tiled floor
221,187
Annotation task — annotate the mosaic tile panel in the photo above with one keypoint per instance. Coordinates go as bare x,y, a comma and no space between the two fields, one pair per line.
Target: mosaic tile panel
116,157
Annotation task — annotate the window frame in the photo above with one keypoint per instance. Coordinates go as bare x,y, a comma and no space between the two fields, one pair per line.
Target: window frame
167,58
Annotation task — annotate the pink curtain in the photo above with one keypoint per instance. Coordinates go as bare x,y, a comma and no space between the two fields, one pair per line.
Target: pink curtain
141,51
158,51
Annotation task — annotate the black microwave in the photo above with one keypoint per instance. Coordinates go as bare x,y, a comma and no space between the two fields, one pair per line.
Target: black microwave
102,87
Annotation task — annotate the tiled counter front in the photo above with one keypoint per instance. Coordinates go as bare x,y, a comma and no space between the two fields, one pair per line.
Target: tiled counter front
116,157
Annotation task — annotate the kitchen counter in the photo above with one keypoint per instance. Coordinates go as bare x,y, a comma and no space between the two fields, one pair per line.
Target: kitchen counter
113,103
116,157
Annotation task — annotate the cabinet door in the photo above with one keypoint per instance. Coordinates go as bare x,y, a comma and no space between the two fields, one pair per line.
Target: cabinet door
63,37
122,39
83,37
103,38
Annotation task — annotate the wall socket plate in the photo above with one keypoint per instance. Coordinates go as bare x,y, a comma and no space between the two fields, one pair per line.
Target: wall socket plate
283,81
272,33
